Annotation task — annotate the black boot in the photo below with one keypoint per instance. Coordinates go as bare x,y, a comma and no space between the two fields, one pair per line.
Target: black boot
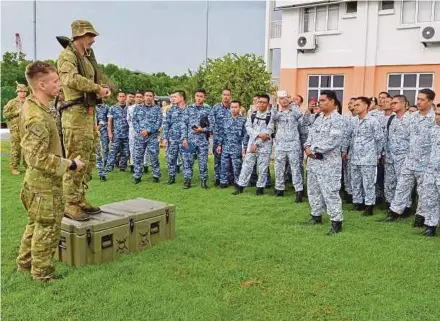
336,228
204,185
217,183
137,180
430,231
419,221
260,191
299,197
155,179
368,210
358,207
314,220
187,184
408,212
279,193
392,216
171,180
379,200
349,199
103,178
238,190
223,185
145,169
131,168
122,169
387,206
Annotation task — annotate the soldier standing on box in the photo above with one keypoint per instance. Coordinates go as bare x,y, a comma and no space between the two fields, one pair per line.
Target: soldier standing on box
196,136
11,112
147,120
260,127
231,144
290,136
42,192
414,166
324,163
80,80
102,148
118,133
365,139
171,135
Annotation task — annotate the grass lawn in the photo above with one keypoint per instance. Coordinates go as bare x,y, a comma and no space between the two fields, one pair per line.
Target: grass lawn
371,271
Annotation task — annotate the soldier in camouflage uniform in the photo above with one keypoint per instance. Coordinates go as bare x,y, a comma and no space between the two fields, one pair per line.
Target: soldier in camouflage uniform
118,133
414,166
365,138
197,137
80,78
290,136
324,163
102,148
42,191
429,201
11,112
172,135
132,101
147,121
346,167
231,144
260,127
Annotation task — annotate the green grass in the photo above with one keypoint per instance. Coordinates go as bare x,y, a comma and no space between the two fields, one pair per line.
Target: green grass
371,271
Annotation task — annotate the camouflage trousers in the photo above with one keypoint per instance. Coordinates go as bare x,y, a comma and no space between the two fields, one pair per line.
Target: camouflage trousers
15,158
102,152
174,148
363,180
405,185
217,161
346,167
293,158
263,162
118,144
131,138
42,233
141,147
392,173
201,150
228,159
429,200
323,194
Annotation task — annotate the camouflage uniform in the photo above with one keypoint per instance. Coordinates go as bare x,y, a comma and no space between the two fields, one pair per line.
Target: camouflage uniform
380,177
102,148
42,192
231,137
324,175
191,117
120,136
346,165
291,134
416,160
429,201
365,136
78,122
11,112
264,148
147,118
171,132
131,134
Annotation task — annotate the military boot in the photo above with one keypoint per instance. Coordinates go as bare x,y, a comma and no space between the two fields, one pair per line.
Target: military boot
238,190
217,183
187,184
155,179
392,216
368,210
171,180
103,178
132,169
429,231
74,212
387,206
407,212
419,221
204,185
89,208
15,171
299,197
358,207
223,186
137,180
336,228
314,220
260,191
279,193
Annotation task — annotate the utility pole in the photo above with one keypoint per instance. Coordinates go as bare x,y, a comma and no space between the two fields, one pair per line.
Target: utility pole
35,29
207,33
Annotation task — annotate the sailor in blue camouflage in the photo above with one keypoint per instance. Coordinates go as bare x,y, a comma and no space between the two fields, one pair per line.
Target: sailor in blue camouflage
102,148
147,121
417,158
365,137
291,134
172,135
231,138
192,116
117,114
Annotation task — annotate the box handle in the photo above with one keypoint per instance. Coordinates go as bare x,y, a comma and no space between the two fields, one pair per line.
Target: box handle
167,215
107,241
131,224
62,243
154,228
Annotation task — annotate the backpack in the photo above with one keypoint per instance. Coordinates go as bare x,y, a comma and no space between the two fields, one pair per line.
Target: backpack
389,122
254,115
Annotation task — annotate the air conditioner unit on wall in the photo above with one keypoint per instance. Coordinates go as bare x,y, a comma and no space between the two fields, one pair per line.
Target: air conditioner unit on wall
306,42
430,33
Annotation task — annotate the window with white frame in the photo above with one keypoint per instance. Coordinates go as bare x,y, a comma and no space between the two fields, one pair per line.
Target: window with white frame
386,5
321,18
409,84
318,83
419,11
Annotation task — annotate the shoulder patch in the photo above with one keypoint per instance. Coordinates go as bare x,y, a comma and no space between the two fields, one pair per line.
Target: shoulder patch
36,129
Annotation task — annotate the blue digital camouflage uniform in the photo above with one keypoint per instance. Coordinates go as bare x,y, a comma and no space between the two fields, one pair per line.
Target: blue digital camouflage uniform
191,117
346,166
172,132
324,175
366,140
231,137
102,148
415,162
120,136
291,134
147,118
429,201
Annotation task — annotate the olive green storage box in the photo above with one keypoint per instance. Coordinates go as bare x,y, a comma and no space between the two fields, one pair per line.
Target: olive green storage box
122,227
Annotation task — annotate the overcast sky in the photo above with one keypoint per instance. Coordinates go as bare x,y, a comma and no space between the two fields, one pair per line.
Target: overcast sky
150,36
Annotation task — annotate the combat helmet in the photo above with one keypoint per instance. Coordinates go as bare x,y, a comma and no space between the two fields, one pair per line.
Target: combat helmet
82,27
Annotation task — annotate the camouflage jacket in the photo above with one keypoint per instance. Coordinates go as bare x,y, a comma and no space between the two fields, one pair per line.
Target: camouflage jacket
232,135
11,110
147,118
192,117
120,125
397,139
259,126
218,114
172,123
434,158
291,129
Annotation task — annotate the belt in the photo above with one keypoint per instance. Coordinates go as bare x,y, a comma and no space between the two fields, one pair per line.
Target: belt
71,103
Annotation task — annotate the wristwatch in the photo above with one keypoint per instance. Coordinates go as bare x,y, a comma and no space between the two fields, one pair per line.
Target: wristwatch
73,166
